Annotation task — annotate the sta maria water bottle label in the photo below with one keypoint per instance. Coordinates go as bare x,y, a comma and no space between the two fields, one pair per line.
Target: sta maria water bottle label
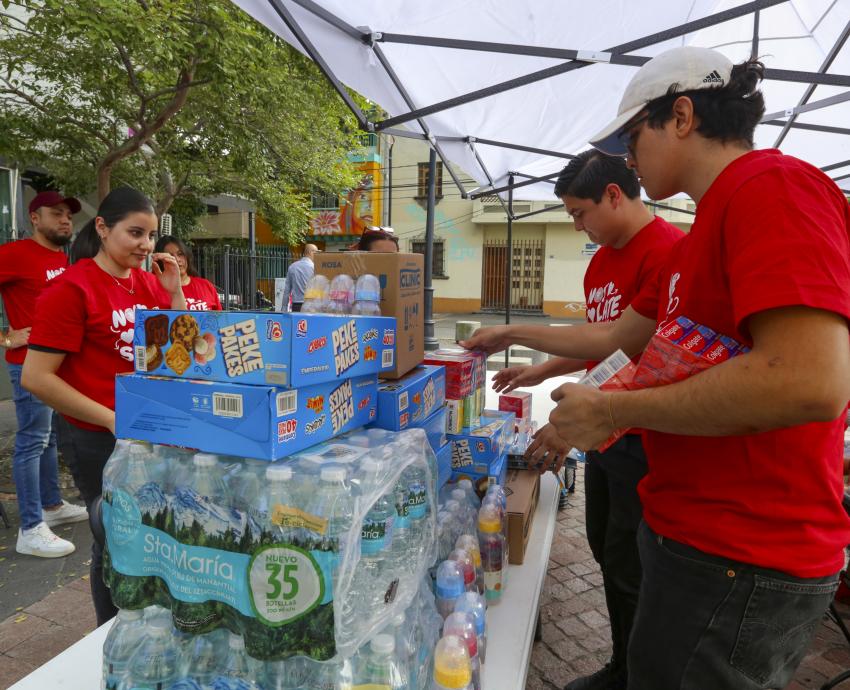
376,535
285,583
417,500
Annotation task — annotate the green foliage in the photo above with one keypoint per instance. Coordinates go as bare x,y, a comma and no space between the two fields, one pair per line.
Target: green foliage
181,98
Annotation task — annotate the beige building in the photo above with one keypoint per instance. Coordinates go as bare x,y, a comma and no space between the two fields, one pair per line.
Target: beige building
549,255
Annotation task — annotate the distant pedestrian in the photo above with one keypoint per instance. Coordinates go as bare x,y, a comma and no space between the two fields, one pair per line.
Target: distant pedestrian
26,266
297,277
375,239
200,294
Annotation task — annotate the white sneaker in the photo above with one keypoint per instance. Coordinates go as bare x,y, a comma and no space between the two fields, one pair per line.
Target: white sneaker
67,513
40,541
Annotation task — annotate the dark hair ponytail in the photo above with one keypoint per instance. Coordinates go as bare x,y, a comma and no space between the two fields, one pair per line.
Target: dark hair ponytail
114,208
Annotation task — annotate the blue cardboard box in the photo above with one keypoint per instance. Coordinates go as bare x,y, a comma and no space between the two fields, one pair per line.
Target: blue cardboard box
412,398
444,465
264,422
262,348
435,428
484,443
482,475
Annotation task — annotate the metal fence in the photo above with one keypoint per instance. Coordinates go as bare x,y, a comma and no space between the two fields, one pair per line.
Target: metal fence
244,277
526,275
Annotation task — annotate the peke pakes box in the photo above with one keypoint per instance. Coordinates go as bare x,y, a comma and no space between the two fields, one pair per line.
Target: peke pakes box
481,445
406,401
262,348
482,475
401,277
263,422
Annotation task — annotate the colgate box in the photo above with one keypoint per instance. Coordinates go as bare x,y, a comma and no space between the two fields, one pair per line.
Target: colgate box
263,422
407,401
518,402
461,371
262,348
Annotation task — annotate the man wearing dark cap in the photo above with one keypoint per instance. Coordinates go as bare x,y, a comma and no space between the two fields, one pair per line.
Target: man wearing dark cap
26,266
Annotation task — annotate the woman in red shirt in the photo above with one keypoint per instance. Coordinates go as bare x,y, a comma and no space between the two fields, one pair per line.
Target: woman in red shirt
82,336
200,294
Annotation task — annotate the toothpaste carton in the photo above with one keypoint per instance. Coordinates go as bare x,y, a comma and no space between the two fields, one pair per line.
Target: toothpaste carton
518,402
263,422
262,348
454,416
461,367
407,401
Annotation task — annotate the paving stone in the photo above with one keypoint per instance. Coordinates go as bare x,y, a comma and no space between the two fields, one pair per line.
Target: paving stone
577,585
594,579
567,649
19,628
584,568
585,665
573,626
594,618
551,634
553,669
65,605
12,670
45,645
595,642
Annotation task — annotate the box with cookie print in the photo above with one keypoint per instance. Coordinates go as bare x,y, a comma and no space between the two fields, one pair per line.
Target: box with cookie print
262,348
407,401
482,444
263,422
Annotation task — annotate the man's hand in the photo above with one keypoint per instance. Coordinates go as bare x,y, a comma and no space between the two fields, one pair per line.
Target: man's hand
512,378
18,338
490,339
583,417
548,451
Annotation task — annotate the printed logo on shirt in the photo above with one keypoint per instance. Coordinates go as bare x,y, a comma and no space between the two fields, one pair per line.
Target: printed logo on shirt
50,274
672,301
197,304
603,303
123,323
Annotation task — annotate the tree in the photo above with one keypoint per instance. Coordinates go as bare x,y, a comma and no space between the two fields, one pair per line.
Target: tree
181,98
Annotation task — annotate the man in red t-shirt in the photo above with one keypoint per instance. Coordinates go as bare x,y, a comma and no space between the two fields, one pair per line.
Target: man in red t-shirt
603,196
744,529
26,266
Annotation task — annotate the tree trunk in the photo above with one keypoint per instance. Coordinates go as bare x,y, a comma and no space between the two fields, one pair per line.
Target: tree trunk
104,181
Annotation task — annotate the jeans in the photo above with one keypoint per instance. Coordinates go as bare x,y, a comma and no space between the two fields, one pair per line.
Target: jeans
91,451
705,622
34,462
613,514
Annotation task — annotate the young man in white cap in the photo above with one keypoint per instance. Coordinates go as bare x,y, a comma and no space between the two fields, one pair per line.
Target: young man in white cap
744,531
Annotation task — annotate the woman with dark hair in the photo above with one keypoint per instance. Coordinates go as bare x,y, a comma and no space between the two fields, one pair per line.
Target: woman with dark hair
377,239
82,337
200,293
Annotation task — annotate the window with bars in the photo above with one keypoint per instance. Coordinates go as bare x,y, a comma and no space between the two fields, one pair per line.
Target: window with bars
422,191
324,200
438,265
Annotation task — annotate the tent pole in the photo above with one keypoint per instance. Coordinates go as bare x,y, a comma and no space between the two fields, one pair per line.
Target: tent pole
431,343
509,245
389,196
471,142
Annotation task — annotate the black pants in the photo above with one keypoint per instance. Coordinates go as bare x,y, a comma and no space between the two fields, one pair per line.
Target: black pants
613,514
91,450
708,623
296,306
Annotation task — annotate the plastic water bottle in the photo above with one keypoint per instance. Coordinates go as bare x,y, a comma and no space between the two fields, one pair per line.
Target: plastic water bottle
203,500
463,626
376,568
248,498
452,669
280,515
154,665
468,488
202,659
289,674
404,629
466,511
316,295
449,586
476,605
367,296
469,543
121,642
341,295
336,674
380,666
492,544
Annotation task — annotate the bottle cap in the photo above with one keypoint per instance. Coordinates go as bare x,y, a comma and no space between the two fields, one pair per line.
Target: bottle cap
459,495
470,545
489,520
451,663
466,485
205,460
279,473
334,473
130,614
371,465
137,448
235,642
383,644
159,625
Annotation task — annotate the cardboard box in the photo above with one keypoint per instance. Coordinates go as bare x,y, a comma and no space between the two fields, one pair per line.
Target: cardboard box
263,422
412,398
482,475
518,402
444,465
523,490
461,367
435,428
402,297
454,416
474,450
262,348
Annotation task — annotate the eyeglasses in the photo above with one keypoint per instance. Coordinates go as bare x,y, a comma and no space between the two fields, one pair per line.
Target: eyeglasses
629,134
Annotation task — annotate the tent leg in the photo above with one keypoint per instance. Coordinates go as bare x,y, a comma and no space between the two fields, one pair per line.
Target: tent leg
431,343
508,257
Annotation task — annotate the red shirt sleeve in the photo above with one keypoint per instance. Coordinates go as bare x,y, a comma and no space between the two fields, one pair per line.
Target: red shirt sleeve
60,317
645,302
214,300
786,244
9,269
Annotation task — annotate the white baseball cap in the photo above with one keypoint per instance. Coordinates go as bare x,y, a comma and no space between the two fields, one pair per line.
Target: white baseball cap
686,69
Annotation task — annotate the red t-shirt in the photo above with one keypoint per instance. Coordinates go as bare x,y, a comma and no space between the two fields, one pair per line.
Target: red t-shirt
201,295
771,231
615,276
25,269
89,316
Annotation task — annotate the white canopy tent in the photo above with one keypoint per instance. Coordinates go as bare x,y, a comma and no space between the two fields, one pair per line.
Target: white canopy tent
509,89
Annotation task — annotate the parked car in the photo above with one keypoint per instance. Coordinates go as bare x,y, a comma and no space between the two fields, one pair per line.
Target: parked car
233,301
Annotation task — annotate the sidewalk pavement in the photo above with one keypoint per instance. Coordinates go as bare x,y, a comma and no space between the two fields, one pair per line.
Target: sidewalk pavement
49,608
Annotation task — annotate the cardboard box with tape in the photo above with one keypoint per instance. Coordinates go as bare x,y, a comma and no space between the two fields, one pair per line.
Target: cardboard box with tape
523,490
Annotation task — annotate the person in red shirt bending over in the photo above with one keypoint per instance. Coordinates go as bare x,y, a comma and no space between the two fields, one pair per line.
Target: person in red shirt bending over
200,293
26,267
603,196
744,532
82,336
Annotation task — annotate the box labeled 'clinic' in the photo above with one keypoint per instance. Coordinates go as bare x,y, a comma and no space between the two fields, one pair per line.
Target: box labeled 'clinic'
263,422
262,348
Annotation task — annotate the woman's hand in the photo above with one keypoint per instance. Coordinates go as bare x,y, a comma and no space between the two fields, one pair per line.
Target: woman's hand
547,451
18,338
168,273
520,376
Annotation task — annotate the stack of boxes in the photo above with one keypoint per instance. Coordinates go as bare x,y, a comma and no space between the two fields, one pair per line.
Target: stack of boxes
258,385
